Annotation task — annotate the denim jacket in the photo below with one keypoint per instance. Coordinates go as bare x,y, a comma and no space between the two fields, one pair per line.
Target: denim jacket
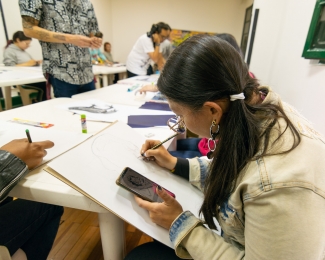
276,210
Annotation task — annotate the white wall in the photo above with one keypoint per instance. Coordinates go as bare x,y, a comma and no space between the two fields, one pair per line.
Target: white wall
103,13
131,19
276,60
123,21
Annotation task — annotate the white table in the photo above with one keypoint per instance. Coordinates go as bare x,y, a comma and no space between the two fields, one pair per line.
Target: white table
10,76
117,94
40,186
108,71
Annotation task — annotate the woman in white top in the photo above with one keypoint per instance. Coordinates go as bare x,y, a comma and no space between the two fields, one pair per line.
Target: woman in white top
147,48
15,55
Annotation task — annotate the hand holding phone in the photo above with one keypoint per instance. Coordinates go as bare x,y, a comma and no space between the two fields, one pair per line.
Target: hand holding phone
140,185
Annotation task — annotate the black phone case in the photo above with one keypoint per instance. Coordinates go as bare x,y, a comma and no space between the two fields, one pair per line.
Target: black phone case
128,189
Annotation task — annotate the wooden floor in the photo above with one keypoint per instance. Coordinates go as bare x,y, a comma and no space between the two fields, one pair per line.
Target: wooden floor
79,237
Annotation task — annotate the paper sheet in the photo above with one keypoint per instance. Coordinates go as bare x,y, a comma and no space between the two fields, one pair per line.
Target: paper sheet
121,114
151,79
14,74
62,140
94,166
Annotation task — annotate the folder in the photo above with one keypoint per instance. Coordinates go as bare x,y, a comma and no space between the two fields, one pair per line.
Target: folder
140,121
156,106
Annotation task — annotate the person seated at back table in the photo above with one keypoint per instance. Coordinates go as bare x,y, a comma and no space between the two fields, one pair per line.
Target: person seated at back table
261,185
107,52
15,54
109,57
97,57
27,228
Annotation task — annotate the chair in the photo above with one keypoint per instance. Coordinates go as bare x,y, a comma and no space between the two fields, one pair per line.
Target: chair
28,94
16,102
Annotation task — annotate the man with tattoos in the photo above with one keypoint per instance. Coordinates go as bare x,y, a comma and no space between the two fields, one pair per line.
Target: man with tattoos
66,31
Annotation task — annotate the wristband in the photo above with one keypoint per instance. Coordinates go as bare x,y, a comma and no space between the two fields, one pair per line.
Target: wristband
157,44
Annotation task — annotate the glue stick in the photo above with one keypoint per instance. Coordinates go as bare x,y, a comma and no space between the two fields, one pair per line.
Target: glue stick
83,124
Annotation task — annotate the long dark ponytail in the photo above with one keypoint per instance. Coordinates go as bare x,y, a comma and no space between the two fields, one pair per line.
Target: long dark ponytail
206,68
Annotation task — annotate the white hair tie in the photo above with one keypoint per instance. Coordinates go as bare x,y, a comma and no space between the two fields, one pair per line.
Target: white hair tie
237,96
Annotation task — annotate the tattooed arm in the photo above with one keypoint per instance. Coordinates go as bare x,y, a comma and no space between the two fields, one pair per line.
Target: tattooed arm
31,29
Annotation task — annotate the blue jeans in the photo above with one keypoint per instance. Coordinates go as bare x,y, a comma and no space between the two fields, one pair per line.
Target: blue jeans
64,89
29,225
187,148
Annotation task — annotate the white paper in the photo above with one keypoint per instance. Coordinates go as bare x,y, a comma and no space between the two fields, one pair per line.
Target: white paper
151,79
62,140
121,114
9,74
94,166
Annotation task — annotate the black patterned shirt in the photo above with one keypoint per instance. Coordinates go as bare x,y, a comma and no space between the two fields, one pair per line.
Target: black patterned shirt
65,62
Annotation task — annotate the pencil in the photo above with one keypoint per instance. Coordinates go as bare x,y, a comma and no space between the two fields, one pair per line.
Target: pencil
28,136
161,143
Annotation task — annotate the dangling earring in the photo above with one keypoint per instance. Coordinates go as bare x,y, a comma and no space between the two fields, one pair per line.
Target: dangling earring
212,138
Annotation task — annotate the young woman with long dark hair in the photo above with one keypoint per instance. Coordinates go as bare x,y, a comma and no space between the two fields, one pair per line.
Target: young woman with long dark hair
265,183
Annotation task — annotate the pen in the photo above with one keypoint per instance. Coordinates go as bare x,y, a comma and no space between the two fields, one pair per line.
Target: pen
28,136
133,87
161,143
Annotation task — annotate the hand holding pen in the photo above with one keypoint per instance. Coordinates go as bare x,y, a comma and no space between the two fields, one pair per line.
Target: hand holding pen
154,150
30,153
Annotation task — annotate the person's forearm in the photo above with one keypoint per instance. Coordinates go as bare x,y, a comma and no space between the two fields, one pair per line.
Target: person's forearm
155,55
27,64
161,62
46,35
31,29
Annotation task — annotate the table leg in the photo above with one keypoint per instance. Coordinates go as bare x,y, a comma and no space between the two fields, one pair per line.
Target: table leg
112,235
7,96
105,80
97,85
110,79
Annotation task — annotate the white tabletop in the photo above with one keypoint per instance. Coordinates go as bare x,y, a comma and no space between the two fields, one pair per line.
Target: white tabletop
102,69
117,94
20,75
41,186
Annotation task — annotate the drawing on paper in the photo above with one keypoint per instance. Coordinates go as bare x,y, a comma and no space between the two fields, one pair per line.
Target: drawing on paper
109,149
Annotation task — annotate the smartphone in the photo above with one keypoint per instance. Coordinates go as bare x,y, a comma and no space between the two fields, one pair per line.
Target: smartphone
140,185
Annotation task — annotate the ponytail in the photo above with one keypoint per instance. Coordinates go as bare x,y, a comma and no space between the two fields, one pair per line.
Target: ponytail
9,43
206,68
